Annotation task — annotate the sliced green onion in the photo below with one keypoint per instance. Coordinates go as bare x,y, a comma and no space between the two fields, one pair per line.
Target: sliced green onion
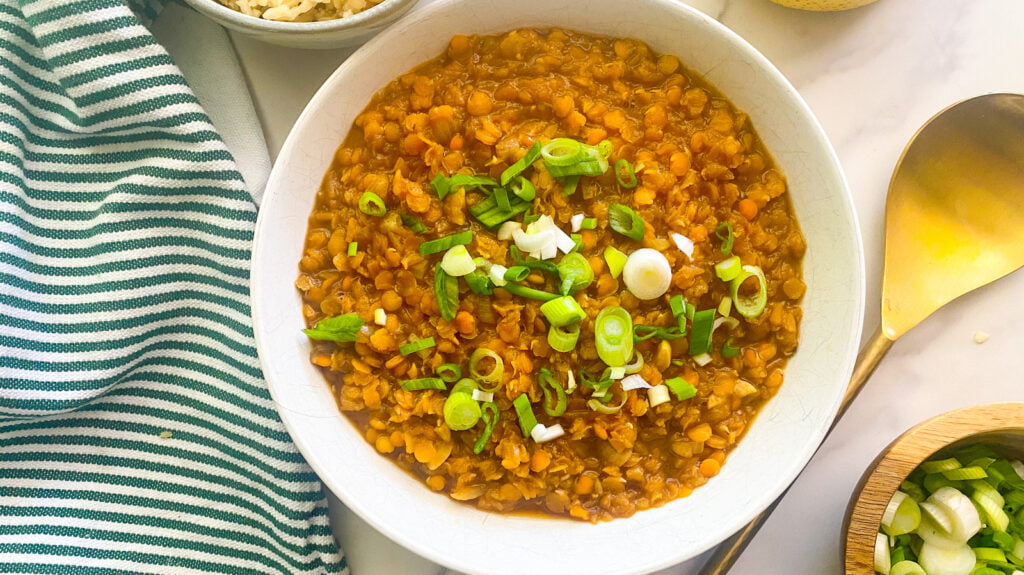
677,304
965,473
555,400
575,273
563,311
729,350
644,332
569,185
464,385
647,274
613,332
353,249
487,374
414,346
729,268
616,260
939,465
700,332
588,167
588,224
531,293
625,176
446,290
681,388
488,213
562,152
725,233
449,372
601,407
443,185
413,224
527,420
604,148
564,338
523,189
577,241
342,328
502,200
422,383
625,221
520,166
725,306
905,567
902,515
490,414
749,305
479,283
516,273
461,412
447,242
372,205
457,262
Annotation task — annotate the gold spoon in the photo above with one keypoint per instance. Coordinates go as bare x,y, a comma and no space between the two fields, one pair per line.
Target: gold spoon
954,221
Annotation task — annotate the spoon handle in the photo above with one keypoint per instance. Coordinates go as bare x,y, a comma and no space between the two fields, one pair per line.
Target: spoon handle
726,554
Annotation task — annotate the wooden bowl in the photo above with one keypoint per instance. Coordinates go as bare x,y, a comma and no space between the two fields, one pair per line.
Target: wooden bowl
1000,425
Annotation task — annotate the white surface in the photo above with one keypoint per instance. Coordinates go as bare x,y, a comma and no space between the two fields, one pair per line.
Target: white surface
872,76
776,447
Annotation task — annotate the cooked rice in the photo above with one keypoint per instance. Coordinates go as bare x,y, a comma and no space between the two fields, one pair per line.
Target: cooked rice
300,10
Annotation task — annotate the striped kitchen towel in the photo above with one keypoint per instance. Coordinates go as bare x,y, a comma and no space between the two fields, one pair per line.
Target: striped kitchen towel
136,432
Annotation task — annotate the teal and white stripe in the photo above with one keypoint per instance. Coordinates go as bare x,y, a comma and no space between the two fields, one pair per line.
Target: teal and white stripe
136,432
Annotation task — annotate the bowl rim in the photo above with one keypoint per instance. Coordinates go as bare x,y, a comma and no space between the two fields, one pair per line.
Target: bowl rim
895,462
850,334
371,15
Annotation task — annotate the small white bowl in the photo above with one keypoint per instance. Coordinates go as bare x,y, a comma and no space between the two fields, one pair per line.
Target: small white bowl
343,32
779,443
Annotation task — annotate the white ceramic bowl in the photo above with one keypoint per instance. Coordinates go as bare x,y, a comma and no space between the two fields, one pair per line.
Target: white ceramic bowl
343,32
778,445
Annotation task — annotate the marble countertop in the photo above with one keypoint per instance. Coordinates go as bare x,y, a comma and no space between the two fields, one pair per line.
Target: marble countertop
872,75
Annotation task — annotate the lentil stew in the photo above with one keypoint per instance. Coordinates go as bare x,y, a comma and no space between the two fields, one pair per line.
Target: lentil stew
607,438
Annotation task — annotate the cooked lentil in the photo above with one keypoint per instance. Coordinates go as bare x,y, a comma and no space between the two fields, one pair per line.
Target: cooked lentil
476,110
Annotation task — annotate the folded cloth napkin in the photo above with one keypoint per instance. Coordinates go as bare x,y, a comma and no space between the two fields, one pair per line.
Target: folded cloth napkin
136,432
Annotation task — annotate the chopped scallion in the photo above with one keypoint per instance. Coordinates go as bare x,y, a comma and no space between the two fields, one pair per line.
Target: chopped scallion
680,388
588,224
516,273
461,412
449,372
413,224
562,311
729,350
490,414
613,331
527,420
700,332
616,260
569,185
342,328
574,273
523,189
555,400
414,346
625,176
353,249
446,290
625,221
520,166
725,233
530,293
564,339
446,243
422,383
502,200
487,366
728,268
749,305
372,205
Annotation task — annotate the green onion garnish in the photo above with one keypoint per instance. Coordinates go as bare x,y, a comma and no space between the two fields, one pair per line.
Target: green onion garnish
490,414
523,189
353,249
624,220
678,306
480,371
531,156
501,199
562,152
724,232
749,305
563,311
446,290
445,243
577,241
729,350
569,185
343,327
616,260
413,224
643,332
479,283
449,372
625,176
516,273
589,167
554,394
564,339
422,383
527,420
443,185
613,332
488,213
531,293
680,388
588,224
464,385
575,273
461,412
728,268
414,346
372,205
700,331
